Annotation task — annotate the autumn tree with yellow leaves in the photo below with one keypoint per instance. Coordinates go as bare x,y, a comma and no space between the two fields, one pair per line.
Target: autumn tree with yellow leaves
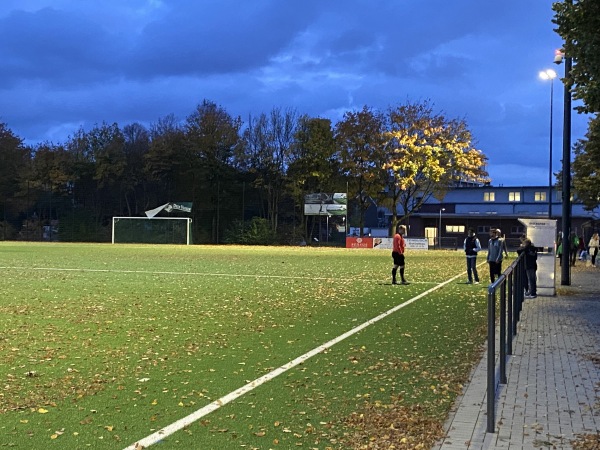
426,154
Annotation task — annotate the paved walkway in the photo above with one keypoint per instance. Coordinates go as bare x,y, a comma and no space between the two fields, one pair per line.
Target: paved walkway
553,390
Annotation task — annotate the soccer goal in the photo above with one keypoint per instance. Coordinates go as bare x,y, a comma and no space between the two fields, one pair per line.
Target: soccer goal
155,230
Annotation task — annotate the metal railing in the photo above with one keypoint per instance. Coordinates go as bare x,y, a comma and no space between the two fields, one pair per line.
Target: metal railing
511,287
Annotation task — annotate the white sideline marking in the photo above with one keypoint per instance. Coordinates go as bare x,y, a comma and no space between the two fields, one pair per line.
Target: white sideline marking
155,272
195,416
151,272
216,274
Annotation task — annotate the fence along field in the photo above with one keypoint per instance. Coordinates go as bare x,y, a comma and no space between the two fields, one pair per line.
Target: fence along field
101,346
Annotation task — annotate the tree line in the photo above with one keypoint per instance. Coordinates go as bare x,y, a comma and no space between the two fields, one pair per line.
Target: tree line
247,181
578,23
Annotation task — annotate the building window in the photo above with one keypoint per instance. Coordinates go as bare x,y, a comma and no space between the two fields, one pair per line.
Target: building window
517,230
484,229
489,196
455,229
540,196
514,196
559,196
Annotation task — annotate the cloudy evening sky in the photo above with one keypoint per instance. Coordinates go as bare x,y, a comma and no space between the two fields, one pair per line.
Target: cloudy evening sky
67,64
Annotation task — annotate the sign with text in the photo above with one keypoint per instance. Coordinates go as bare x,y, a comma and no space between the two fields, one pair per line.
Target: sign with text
359,242
542,232
325,204
385,243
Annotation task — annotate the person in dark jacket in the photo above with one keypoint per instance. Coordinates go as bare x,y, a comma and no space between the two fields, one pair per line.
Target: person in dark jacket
574,240
530,255
471,247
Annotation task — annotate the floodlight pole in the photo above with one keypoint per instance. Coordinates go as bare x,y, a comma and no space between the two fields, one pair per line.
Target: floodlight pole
565,278
550,74
550,163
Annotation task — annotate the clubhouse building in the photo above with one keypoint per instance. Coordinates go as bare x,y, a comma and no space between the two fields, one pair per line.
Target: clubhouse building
445,222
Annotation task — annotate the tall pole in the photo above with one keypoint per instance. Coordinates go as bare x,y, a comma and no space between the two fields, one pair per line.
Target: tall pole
565,279
440,231
550,74
550,164
347,206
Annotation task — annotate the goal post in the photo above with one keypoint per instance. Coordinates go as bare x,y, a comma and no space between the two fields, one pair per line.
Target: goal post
155,230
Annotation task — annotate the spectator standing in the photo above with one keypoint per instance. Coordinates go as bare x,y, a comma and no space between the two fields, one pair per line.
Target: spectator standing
496,247
530,259
574,241
471,247
593,246
582,250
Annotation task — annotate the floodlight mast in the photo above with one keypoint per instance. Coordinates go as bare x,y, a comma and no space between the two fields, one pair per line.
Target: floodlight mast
550,74
565,278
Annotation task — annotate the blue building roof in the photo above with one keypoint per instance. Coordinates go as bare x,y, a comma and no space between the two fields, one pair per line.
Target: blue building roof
501,201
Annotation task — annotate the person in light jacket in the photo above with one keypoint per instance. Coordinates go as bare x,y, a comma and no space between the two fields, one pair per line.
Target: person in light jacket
496,247
593,246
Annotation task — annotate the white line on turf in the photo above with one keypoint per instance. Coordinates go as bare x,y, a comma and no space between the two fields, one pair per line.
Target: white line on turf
197,415
205,274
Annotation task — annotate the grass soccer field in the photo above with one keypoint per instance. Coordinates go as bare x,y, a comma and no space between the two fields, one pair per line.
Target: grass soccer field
102,346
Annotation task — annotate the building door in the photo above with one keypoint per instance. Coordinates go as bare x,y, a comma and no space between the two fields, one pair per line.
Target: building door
431,235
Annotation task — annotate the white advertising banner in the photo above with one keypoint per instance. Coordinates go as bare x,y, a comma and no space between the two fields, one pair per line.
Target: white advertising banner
411,243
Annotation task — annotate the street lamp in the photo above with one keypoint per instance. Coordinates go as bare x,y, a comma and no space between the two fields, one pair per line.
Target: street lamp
565,278
550,74
440,229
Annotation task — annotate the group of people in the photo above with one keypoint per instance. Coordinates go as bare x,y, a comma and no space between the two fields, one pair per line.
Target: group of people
578,249
496,252
584,252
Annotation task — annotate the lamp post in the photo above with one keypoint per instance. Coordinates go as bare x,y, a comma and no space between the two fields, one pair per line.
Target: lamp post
550,74
440,229
565,278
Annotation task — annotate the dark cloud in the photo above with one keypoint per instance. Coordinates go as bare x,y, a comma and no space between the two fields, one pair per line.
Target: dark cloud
56,47
68,64
217,37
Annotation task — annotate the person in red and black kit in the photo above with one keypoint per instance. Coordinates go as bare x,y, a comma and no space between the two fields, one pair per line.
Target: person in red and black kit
398,254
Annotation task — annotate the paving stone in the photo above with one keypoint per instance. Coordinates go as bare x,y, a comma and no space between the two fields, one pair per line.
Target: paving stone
553,390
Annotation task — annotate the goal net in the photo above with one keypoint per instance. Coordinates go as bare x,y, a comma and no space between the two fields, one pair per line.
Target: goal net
155,230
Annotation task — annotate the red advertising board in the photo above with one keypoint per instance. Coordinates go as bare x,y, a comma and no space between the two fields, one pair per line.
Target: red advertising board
359,242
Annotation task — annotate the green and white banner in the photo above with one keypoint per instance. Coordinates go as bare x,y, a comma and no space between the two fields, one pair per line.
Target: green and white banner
171,207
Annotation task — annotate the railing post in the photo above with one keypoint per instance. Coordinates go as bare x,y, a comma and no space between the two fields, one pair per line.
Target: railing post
520,294
509,310
491,362
502,341
511,280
